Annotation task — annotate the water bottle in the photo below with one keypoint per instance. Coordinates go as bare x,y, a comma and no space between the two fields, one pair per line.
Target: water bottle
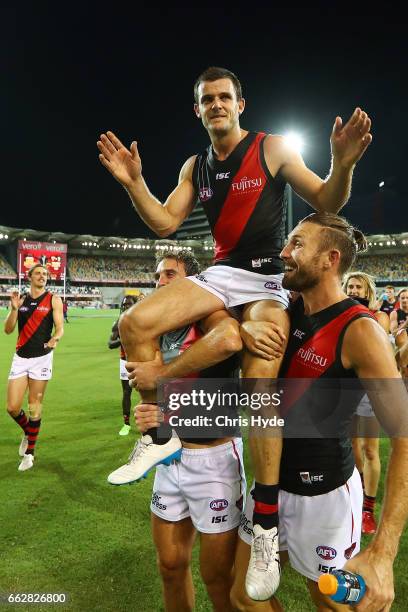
343,587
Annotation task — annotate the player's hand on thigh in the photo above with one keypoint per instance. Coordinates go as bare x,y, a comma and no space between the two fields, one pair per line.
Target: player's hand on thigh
377,571
144,375
264,339
147,416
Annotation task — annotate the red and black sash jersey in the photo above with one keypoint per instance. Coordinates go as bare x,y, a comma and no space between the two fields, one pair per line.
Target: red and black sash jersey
320,400
387,307
402,316
244,204
35,323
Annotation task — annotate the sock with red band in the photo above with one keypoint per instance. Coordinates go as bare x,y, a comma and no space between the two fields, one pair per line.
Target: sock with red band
266,505
368,504
32,431
22,420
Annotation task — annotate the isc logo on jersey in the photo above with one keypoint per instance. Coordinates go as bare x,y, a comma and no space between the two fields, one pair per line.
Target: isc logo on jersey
309,478
43,309
222,175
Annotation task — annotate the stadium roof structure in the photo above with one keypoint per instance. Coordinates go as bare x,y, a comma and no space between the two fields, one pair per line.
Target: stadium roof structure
92,242
379,243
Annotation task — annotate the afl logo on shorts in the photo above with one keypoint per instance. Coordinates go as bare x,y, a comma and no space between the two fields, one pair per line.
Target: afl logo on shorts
205,193
326,552
271,285
218,504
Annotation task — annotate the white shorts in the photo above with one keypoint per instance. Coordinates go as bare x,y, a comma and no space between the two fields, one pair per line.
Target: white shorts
320,533
37,368
235,286
123,373
364,408
208,485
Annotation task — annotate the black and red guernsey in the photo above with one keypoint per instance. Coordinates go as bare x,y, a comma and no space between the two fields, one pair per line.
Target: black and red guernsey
244,204
402,316
320,400
35,323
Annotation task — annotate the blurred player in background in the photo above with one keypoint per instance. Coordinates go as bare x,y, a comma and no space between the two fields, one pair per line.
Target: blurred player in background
366,447
114,342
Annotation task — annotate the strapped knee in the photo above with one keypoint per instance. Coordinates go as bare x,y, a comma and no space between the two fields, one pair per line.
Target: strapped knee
35,411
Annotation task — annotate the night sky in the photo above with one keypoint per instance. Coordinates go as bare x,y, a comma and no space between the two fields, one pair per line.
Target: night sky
75,70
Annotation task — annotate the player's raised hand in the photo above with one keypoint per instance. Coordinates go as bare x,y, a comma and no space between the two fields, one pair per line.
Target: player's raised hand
350,141
15,300
124,164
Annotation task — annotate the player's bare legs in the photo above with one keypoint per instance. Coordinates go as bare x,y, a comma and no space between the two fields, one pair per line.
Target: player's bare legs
30,423
266,448
16,389
174,544
217,552
171,307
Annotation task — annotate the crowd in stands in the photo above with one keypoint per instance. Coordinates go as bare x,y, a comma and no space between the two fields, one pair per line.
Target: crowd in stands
57,289
109,269
384,267
5,268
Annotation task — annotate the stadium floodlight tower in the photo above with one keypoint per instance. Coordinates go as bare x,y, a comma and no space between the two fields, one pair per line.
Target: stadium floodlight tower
296,142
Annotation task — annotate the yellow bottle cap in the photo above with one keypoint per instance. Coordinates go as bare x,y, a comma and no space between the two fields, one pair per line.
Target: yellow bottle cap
328,584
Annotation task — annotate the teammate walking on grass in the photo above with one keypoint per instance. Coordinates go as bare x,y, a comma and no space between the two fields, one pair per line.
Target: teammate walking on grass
36,314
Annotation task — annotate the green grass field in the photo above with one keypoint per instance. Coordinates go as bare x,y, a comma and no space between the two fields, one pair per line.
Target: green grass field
62,527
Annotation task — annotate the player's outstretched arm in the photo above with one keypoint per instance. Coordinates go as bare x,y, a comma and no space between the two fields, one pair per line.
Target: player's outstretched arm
366,349
126,167
221,340
348,144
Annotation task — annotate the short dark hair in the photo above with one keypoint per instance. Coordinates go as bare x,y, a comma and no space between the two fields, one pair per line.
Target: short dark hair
38,265
339,234
127,298
185,257
213,74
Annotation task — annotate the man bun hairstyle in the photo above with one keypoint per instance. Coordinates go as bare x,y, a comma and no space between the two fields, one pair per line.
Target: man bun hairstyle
213,74
338,233
191,265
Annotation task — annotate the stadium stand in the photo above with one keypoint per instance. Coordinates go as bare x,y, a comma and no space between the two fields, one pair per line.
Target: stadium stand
101,269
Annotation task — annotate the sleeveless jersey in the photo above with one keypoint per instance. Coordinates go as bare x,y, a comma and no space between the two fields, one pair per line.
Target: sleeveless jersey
244,204
176,342
322,399
401,316
387,307
35,323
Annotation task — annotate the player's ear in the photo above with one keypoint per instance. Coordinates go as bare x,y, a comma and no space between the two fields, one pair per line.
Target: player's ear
333,258
197,111
241,106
